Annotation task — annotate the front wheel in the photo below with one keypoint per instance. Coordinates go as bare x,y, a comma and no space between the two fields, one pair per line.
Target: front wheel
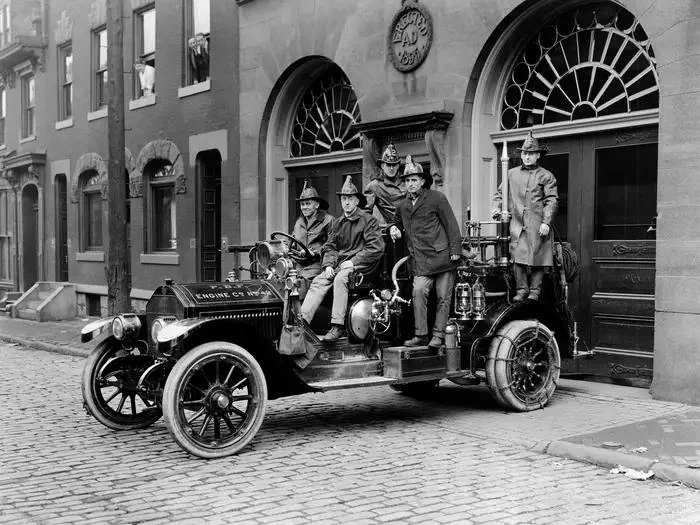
111,390
214,400
523,365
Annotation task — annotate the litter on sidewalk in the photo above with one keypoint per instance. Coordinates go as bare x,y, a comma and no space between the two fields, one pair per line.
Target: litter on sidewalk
639,475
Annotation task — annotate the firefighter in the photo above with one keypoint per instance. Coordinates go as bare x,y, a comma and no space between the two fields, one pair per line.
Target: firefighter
354,243
311,228
386,191
435,246
532,201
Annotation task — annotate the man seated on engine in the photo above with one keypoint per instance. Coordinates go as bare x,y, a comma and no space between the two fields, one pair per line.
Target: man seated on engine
311,228
354,243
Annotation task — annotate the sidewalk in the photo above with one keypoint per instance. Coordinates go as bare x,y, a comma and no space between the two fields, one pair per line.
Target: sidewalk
668,445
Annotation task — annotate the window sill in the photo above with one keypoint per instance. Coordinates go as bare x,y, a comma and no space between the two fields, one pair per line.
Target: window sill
90,256
142,102
30,138
97,114
193,89
172,259
62,124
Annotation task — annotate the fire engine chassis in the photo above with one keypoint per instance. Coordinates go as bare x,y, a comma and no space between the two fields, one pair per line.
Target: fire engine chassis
208,356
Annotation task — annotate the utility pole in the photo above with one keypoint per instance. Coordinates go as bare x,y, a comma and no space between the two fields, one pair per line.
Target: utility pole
117,267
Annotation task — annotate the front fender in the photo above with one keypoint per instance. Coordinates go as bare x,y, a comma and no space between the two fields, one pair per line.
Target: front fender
174,333
95,328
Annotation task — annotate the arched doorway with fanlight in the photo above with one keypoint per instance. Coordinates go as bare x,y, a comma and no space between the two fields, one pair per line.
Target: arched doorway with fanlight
583,79
311,136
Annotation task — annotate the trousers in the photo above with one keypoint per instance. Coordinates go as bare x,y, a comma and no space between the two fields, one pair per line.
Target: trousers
318,290
422,284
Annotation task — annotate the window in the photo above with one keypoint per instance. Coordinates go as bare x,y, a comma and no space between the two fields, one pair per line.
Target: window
99,53
162,221
5,237
3,112
145,41
5,36
65,81
28,101
91,212
197,45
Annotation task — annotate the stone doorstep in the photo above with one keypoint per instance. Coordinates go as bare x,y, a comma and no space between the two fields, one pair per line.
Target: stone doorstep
611,459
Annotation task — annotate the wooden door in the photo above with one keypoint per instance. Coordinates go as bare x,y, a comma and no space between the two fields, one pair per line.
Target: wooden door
61,209
607,185
328,180
209,167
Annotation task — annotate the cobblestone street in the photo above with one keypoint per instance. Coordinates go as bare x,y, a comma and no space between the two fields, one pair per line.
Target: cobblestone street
354,456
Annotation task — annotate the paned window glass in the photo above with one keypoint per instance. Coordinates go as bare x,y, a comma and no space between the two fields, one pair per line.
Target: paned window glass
100,53
66,82
197,43
91,211
28,105
163,218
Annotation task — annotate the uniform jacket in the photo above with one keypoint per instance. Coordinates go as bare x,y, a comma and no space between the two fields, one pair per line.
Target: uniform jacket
358,238
432,232
533,201
385,195
314,235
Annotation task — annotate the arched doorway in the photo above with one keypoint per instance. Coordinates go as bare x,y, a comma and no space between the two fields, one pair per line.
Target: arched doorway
311,136
30,236
585,82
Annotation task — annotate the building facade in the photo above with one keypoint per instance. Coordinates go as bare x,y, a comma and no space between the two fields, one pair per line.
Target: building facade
222,133
181,143
607,85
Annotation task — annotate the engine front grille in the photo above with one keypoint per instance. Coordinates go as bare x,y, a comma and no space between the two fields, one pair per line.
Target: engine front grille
267,321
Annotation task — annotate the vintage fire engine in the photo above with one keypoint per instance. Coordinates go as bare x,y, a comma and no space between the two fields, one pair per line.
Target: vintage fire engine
208,356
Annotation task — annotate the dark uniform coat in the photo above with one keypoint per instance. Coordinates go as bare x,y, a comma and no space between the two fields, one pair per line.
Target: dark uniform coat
533,201
358,237
314,235
432,232
385,194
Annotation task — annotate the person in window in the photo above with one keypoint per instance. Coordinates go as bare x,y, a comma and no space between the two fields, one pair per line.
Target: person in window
147,77
386,191
354,243
311,228
435,247
532,201
199,57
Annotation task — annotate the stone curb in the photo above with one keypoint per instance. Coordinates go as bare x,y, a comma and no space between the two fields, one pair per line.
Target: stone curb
611,459
47,347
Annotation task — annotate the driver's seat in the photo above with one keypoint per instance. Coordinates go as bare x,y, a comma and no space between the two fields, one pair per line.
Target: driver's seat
365,279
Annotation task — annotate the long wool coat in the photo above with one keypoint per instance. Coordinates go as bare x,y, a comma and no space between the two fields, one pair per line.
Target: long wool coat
533,200
432,232
357,237
313,234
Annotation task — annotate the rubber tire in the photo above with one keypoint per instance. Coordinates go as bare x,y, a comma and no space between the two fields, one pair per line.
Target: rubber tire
111,419
498,375
174,385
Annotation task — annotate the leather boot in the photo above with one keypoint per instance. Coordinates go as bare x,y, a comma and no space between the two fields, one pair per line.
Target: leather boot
534,294
417,340
436,341
336,332
520,271
536,277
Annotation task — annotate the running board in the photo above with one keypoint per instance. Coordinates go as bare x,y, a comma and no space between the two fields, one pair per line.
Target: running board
356,382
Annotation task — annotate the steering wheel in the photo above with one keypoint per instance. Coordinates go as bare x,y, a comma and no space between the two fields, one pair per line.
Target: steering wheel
302,252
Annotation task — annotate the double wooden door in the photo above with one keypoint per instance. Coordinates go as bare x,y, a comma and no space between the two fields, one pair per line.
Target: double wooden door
328,180
607,211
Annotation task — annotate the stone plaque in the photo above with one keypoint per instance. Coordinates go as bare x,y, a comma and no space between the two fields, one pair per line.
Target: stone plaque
410,36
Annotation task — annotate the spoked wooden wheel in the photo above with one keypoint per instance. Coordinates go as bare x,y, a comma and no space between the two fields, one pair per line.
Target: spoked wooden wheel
523,365
111,392
214,400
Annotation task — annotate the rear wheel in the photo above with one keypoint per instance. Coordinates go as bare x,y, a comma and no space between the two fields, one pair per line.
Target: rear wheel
214,400
110,387
523,365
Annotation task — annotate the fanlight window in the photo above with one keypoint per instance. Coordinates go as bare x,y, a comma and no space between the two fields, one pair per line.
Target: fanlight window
326,117
592,62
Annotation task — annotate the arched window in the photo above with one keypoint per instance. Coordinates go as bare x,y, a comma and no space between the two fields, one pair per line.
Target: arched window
326,117
91,211
591,62
160,207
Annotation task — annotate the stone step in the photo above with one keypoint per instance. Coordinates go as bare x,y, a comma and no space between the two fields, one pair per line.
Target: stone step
27,314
